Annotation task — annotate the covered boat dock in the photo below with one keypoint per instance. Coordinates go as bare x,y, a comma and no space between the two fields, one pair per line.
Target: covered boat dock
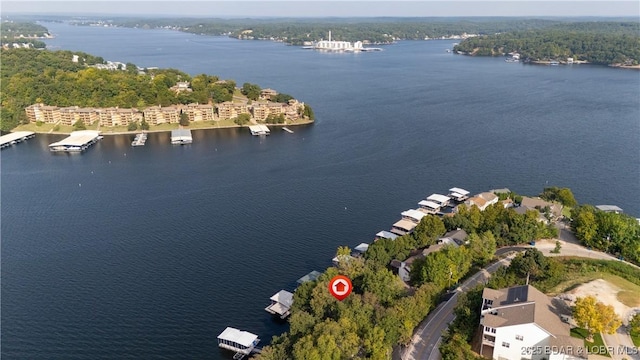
242,342
77,141
15,137
181,137
281,304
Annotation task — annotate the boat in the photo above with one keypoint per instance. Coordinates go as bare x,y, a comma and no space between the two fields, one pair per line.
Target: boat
554,62
287,130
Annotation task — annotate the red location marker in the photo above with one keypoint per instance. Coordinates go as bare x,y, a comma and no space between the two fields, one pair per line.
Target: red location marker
340,287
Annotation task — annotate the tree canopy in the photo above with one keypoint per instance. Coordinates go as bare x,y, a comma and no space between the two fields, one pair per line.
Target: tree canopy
595,316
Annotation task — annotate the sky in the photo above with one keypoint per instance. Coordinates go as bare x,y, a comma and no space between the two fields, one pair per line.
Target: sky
311,8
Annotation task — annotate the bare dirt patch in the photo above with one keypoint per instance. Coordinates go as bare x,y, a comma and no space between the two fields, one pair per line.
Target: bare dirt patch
607,293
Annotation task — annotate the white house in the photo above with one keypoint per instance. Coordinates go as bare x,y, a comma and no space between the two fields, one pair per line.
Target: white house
519,323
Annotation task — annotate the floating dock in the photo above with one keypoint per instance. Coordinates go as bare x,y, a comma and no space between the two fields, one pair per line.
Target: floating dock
242,342
259,130
15,137
181,137
139,140
287,130
77,141
280,304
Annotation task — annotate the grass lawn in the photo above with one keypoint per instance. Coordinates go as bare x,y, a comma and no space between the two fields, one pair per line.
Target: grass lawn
596,346
635,337
43,128
630,294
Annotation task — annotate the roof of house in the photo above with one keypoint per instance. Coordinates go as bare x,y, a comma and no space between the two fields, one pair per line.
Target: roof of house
532,203
523,305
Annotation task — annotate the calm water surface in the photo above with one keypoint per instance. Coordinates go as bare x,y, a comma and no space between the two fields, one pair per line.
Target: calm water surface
151,252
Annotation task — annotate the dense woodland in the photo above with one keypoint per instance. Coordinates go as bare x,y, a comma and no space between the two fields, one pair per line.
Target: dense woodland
598,43
382,311
31,76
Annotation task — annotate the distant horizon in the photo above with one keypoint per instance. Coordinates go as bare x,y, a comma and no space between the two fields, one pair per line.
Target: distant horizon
325,9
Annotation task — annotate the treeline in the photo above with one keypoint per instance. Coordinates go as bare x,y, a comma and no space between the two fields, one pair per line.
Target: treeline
617,234
30,76
374,30
598,42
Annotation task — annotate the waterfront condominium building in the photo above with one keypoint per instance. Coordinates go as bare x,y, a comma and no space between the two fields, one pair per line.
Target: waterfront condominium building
118,117
72,114
197,112
155,115
44,113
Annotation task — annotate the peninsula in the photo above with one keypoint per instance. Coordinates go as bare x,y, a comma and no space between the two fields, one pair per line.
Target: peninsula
56,92
615,44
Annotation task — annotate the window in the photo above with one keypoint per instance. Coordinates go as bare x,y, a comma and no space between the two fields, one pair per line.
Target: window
489,329
505,344
519,337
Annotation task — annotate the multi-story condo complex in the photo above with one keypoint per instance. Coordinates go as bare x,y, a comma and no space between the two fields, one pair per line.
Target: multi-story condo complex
118,117
155,115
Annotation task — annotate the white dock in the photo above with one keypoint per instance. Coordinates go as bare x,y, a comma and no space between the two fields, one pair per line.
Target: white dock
242,342
139,140
181,137
287,130
15,137
77,141
280,304
259,130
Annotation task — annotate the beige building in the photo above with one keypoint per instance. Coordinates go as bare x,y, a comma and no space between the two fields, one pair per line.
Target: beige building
230,110
72,114
197,112
266,94
44,113
155,115
260,110
118,117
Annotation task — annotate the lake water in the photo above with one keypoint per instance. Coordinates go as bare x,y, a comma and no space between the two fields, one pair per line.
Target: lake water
151,252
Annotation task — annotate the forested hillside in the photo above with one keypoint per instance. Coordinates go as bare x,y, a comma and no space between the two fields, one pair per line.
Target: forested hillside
31,76
599,43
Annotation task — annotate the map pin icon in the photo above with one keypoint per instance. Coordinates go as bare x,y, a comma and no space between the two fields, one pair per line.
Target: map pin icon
340,287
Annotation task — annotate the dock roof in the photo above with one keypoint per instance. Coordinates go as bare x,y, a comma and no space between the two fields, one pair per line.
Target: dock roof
283,297
387,235
4,139
429,204
243,338
438,198
609,208
405,225
460,191
414,214
362,248
77,138
312,276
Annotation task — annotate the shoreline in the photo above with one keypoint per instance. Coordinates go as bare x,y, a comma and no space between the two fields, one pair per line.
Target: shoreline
213,127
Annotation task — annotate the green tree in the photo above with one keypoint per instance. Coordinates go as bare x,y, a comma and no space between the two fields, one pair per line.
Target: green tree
595,317
308,112
251,91
531,263
144,125
634,323
242,119
79,125
561,195
482,247
133,126
184,118
428,231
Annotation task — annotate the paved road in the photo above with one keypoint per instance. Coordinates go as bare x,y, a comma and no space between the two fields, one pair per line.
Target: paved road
428,335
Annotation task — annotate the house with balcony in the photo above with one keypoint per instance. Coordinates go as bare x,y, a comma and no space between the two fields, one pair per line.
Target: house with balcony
521,318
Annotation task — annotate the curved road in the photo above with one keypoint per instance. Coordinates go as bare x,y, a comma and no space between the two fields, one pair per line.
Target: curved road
428,335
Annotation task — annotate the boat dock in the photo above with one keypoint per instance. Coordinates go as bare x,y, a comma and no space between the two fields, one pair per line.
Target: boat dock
181,137
139,140
15,137
259,130
242,342
77,141
287,130
280,304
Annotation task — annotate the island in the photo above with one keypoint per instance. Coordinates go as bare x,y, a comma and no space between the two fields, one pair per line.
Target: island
63,91
544,253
